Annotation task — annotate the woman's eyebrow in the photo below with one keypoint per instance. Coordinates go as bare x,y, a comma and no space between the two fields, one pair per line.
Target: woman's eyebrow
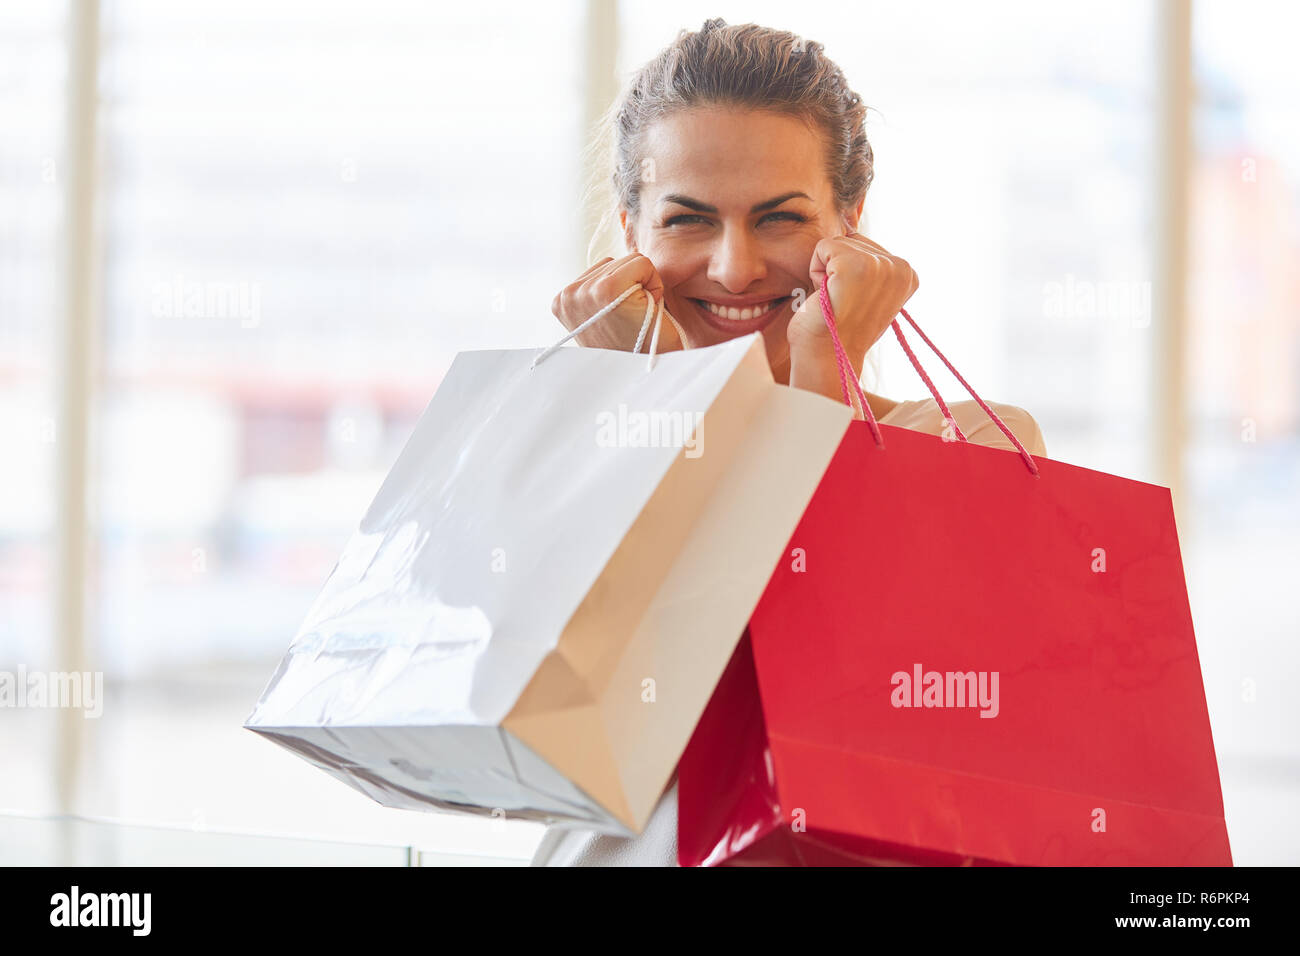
773,203
698,206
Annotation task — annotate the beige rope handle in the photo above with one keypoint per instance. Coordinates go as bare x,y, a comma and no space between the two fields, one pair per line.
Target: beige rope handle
650,313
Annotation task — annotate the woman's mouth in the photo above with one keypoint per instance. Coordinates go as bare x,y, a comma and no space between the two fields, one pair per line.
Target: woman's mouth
736,320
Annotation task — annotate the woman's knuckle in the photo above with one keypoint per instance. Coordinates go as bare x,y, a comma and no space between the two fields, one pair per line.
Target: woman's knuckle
858,264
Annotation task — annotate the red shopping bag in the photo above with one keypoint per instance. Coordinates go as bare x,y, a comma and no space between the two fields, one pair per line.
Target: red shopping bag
962,660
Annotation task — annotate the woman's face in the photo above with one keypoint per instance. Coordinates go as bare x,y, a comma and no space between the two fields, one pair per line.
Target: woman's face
733,202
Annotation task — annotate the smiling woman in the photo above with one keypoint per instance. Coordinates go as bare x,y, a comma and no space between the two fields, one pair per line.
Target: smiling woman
741,166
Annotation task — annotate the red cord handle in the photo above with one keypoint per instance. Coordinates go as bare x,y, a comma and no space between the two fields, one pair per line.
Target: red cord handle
847,374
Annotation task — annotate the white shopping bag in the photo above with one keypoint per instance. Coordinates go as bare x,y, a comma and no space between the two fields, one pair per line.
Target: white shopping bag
540,600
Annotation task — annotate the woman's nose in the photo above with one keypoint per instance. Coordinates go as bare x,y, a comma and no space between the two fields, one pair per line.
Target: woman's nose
737,261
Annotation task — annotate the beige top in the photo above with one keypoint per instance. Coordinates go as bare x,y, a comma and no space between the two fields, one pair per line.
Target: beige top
656,845
925,416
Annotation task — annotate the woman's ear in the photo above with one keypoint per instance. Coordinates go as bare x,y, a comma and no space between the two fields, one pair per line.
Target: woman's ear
854,216
629,234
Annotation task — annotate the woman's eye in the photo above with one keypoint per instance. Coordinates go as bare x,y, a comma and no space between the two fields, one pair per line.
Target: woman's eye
690,219
684,219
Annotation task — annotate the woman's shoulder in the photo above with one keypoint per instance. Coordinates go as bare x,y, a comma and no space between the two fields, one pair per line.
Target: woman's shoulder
924,415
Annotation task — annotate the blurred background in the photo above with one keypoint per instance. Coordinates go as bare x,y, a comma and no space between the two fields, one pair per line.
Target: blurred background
240,243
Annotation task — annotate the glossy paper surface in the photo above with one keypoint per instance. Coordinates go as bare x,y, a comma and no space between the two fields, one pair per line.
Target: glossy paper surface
952,558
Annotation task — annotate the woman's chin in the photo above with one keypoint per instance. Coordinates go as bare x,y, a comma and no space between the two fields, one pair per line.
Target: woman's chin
775,344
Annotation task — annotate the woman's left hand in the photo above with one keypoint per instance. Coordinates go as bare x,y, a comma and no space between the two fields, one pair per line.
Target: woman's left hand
868,286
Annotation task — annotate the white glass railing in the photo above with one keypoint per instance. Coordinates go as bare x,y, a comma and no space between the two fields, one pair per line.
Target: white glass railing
81,841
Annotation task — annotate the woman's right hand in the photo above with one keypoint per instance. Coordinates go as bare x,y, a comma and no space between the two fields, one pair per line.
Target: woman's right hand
602,284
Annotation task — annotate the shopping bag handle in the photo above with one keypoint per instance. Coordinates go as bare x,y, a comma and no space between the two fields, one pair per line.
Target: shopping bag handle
848,375
650,313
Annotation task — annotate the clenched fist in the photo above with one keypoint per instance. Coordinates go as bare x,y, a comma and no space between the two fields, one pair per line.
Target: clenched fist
868,286
602,284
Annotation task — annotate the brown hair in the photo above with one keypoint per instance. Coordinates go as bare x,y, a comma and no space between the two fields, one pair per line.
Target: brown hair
747,66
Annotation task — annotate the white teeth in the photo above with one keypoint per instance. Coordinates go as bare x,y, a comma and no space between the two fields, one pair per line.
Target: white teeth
739,315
